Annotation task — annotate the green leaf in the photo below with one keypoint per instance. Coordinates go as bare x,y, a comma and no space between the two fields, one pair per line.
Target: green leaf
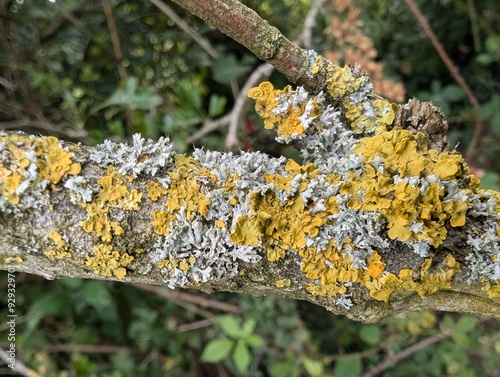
495,124
216,105
460,333
255,341
116,128
51,304
348,366
248,327
370,334
453,93
96,294
313,367
227,67
189,95
217,350
484,58
82,365
493,45
230,326
71,283
128,97
490,181
241,357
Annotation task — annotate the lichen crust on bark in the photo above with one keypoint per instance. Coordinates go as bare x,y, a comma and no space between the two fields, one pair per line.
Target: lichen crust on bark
360,226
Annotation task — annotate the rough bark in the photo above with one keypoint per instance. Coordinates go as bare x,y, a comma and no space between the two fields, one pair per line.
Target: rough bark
377,220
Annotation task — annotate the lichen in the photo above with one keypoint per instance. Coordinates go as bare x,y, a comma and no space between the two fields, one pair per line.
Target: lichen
61,249
333,214
28,165
113,194
107,261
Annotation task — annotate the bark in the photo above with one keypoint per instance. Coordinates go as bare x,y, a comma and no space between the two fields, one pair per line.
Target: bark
377,220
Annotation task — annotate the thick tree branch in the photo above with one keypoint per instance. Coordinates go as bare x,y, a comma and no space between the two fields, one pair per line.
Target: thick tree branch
246,223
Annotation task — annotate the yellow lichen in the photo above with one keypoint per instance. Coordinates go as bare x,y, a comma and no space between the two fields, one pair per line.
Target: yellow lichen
184,193
401,204
155,190
494,291
185,189
288,122
283,283
61,250
10,260
107,262
429,282
162,221
280,226
113,194
51,160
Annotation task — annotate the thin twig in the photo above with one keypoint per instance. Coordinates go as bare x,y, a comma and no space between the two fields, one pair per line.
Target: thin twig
202,42
117,50
407,352
115,39
262,71
20,367
67,133
473,23
196,325
454,72
195,299
169,12
79,25
209,127
305,38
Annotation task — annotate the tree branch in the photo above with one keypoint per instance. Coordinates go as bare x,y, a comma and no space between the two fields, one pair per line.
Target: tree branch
247,223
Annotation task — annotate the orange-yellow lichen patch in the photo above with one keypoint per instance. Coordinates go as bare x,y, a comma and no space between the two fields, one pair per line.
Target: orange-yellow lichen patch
494,291
279,226
283,283
112,195
61,249
375,265
184,192
383,115
181,264
287,121
107,262
162,221
402,204
429,282
185,189
331,268
341,81
51,162
54,162
155,190
10,260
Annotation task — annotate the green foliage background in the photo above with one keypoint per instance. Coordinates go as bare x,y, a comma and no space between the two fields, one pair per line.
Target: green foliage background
59,75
